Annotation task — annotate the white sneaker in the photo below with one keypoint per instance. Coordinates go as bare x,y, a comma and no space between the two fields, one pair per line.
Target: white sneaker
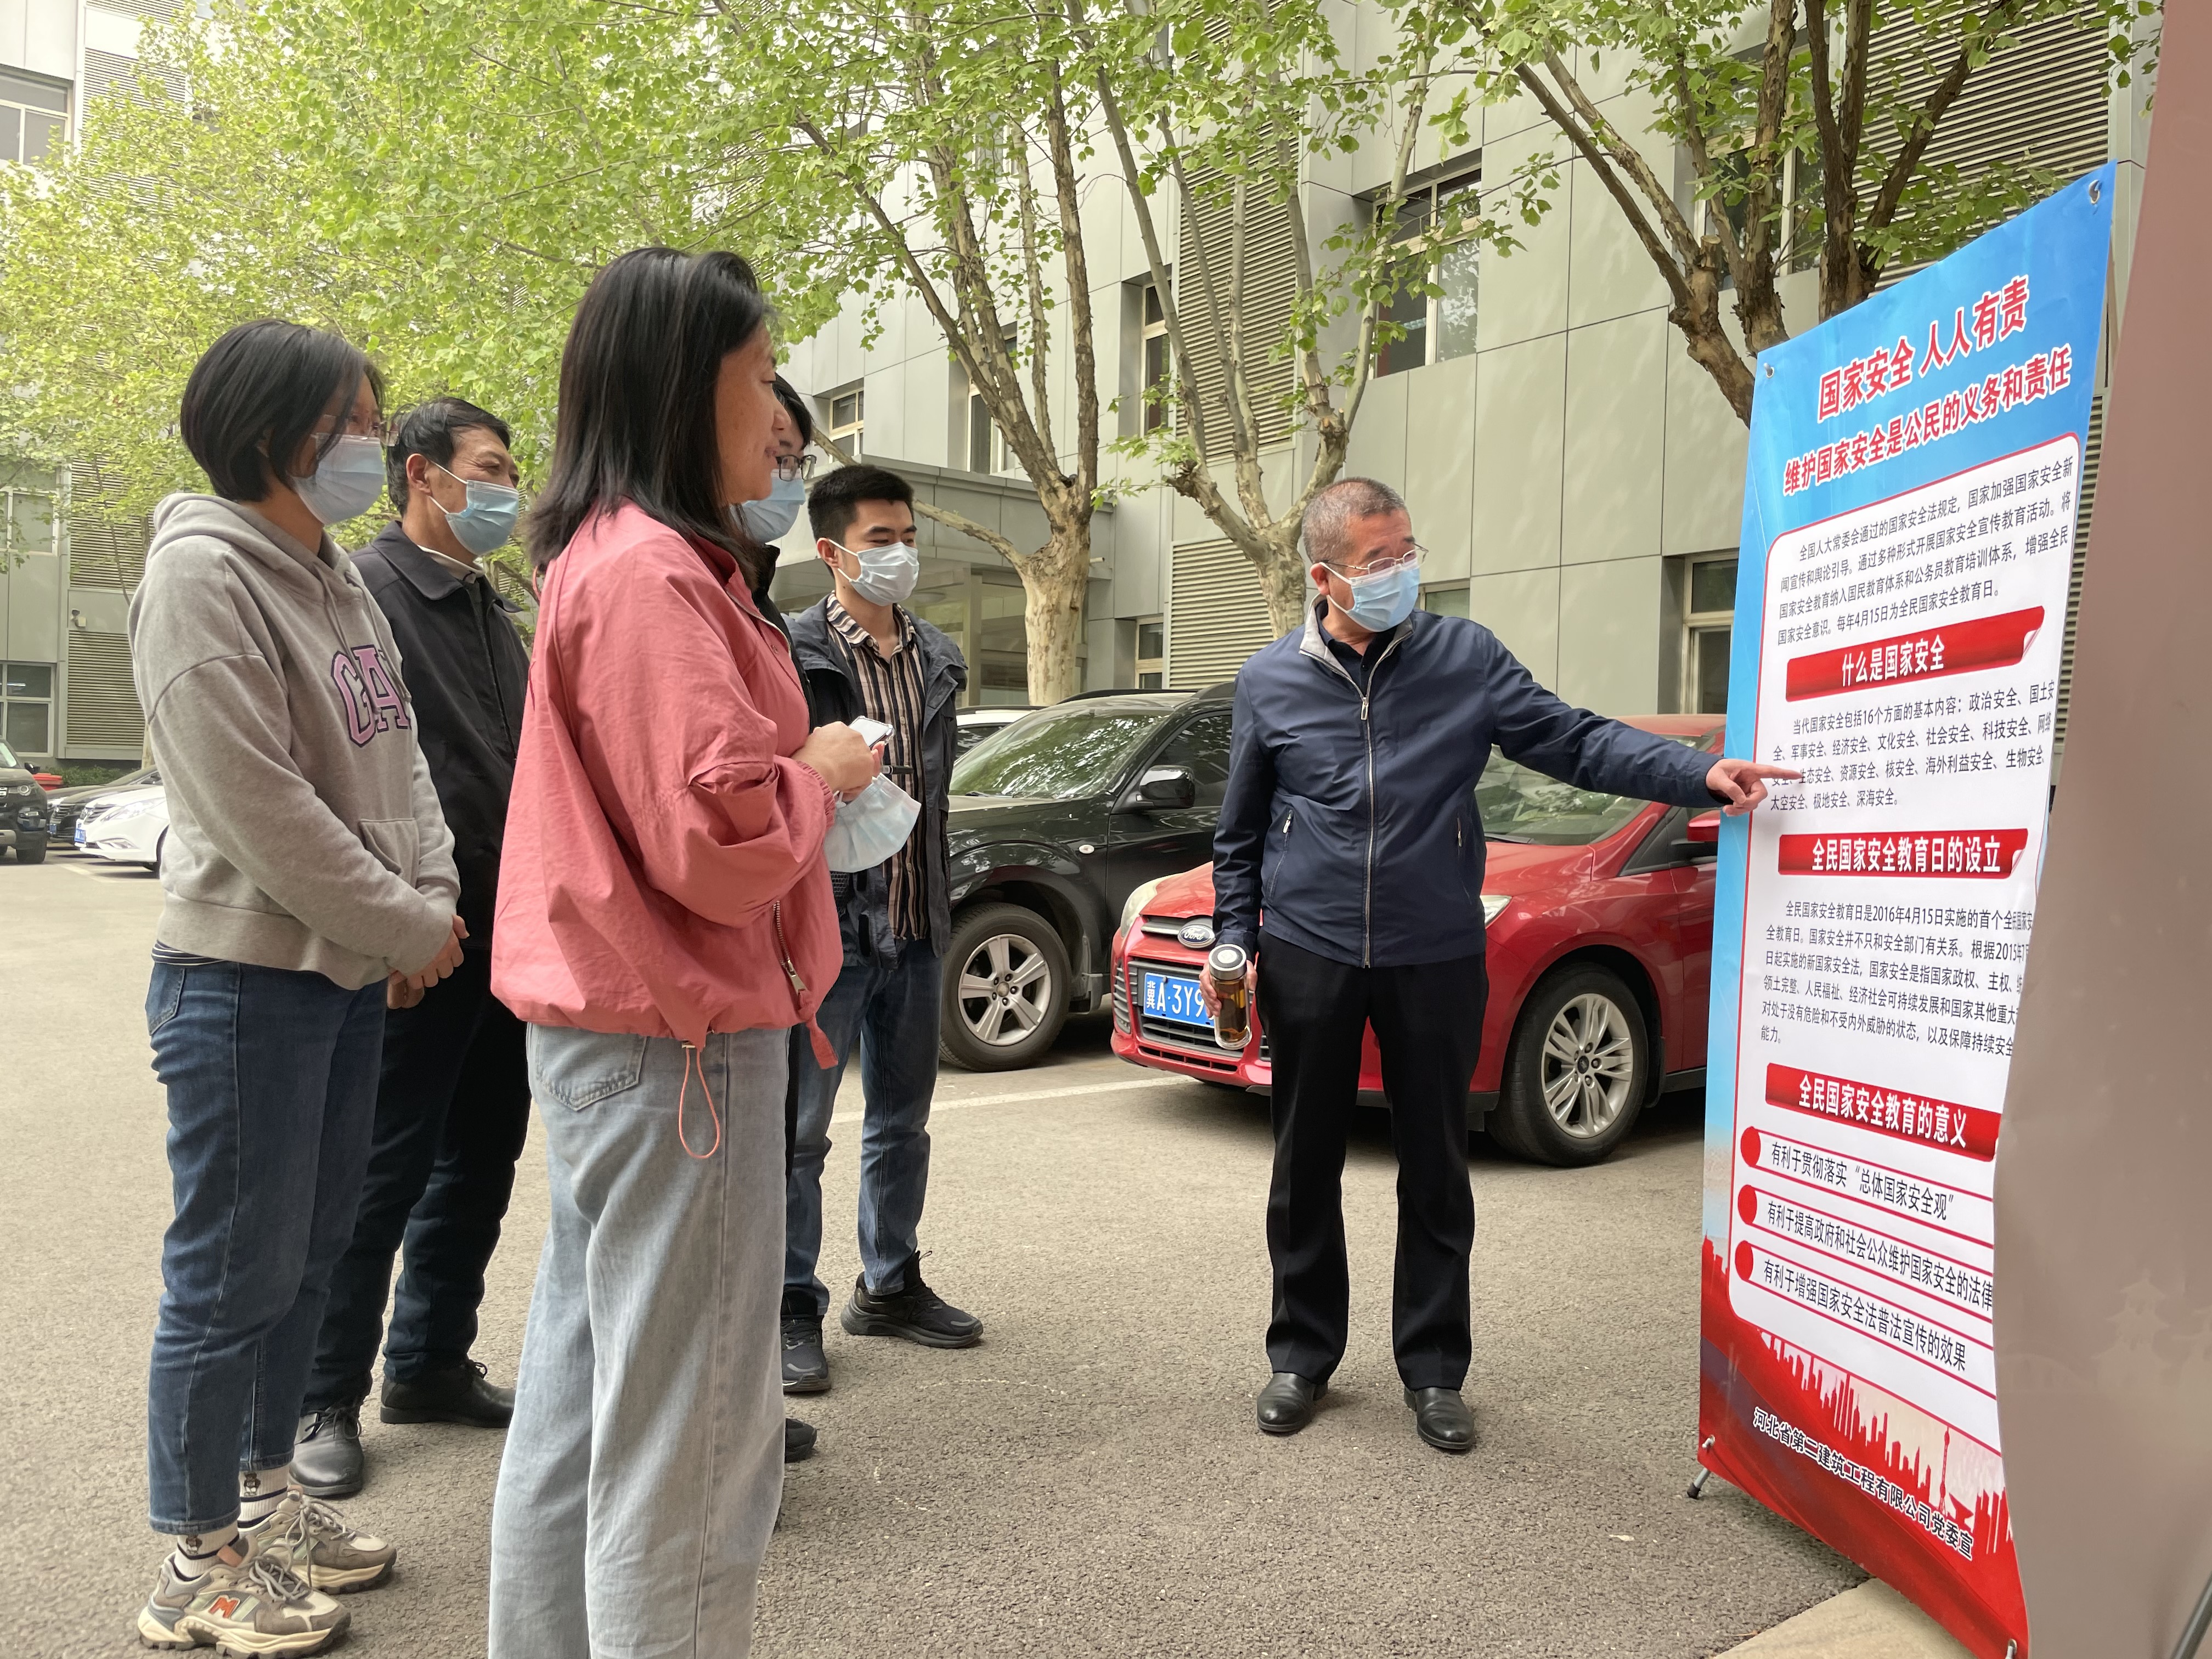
321,1547
249,1604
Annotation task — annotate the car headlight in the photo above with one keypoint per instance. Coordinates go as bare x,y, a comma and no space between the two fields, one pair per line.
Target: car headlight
1493,906
137,809
1138,901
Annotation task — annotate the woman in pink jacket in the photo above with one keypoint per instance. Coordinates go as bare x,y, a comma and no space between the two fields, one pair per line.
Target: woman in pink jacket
664,919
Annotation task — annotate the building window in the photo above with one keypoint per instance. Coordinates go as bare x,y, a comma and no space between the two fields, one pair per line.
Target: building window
1152,653
1156,361
1447,599
26,706
27,512
1444,254
847,419
986,445
1706,635
33,117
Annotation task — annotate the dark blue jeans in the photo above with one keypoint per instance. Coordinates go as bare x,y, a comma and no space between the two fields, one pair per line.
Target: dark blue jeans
892,1014
452,1109
273,1086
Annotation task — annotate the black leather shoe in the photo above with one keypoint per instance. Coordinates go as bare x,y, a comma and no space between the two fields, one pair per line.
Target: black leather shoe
326,1457
1441,1419
1286,1404
916,1313
798,1440
457,1394
805,1367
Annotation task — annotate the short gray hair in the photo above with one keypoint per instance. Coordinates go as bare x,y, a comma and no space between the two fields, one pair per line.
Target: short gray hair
1326,529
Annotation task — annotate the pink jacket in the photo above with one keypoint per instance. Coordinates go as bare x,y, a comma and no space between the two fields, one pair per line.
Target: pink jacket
662,872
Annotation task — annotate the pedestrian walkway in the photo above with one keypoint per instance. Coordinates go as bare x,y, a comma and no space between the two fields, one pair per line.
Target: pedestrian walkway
1872,1621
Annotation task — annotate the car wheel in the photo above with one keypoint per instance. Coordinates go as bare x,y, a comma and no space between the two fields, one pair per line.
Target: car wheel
1006,988
1578,1070
30,849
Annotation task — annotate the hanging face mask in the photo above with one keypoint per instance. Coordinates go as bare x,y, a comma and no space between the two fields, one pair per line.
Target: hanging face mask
887,574
771,520
488,519
869,827
346,481
1384,600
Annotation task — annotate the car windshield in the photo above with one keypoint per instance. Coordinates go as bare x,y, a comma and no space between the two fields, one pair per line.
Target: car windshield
1520,805
1064,753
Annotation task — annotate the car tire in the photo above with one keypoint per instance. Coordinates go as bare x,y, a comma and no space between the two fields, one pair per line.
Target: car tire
1004,968
1577,1072
30,849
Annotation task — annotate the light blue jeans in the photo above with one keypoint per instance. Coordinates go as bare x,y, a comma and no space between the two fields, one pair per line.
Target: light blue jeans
645,1462
890,1015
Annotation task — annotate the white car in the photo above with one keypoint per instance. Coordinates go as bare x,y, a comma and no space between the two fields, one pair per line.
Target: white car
127,826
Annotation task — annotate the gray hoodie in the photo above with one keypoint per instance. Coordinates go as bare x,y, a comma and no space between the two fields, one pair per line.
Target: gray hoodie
304,832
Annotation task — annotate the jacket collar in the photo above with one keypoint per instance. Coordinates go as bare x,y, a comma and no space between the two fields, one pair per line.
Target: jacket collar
423,573
1314,644
815,644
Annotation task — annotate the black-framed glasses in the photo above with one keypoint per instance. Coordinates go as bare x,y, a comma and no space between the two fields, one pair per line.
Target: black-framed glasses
789,468
1382,565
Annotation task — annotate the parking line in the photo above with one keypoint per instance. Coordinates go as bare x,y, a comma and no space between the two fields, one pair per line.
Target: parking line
1036,1094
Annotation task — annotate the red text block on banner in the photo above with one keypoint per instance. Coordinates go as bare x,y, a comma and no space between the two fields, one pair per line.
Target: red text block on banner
1930,1123
1930,654
1976,854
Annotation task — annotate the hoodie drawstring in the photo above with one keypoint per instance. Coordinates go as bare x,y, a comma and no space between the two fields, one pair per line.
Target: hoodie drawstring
690,1057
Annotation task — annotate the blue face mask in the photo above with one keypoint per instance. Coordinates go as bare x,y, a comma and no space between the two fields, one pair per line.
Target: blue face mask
488,519
346,481
1384,600
771,520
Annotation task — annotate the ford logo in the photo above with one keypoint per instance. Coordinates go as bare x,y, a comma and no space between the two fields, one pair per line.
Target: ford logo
1197,933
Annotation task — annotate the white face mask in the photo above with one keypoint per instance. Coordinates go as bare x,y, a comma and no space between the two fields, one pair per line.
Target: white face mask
887,574
771,520
346,481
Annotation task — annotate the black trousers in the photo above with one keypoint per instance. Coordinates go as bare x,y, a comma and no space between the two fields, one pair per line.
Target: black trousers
452,1109
1428,1027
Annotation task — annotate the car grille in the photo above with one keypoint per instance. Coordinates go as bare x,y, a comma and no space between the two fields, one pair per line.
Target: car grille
1210,1059
1119,992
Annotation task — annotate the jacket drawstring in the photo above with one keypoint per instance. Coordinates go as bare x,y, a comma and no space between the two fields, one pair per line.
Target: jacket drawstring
691,1057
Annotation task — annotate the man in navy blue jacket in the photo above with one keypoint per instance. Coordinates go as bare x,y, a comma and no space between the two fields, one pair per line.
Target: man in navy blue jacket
1349,857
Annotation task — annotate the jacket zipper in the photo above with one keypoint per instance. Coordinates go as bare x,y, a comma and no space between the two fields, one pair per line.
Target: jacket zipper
783,949
1367,732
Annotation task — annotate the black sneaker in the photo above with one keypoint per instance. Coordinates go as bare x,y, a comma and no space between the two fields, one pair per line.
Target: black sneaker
457,1394
327,1456
805,1367
798,1440
916,1313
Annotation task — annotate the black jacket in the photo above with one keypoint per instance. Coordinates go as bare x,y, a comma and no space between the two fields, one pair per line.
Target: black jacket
833,693
466,670
1350,815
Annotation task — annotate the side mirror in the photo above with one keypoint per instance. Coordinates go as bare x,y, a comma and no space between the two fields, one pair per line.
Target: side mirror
1162,788
1701,838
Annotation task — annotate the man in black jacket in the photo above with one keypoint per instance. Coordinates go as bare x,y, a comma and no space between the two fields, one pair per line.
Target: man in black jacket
453,1105
1350,806
861,653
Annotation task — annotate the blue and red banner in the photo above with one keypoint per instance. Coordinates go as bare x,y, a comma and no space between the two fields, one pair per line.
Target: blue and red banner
1914,480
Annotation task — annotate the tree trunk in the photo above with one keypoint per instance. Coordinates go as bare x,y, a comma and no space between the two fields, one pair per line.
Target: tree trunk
1055,581
1282,571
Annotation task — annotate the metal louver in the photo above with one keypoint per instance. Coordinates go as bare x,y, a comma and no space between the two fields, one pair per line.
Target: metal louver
103,704
1269,289
106,550
1217,615
2092,451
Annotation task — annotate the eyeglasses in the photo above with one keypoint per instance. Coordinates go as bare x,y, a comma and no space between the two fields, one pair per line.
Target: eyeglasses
1382,564
380,428
789,468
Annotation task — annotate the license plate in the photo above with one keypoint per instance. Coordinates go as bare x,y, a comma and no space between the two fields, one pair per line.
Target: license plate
1171,996
80,835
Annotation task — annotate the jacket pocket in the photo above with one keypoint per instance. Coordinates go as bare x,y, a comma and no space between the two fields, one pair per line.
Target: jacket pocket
581,1068
396,843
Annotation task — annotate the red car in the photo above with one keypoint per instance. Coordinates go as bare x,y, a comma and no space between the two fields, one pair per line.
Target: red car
1600,933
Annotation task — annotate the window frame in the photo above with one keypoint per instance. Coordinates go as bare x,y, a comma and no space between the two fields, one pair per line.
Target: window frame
849,435
9,700
1700,626
16,113
1425,239
1154,415
1156,666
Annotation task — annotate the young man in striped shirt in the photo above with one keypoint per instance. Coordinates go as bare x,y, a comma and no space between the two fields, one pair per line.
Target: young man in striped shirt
860,652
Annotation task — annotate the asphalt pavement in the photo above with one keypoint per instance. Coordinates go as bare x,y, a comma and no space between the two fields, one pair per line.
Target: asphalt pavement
1088,1482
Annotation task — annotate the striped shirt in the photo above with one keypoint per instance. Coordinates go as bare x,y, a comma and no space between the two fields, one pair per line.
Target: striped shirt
890,691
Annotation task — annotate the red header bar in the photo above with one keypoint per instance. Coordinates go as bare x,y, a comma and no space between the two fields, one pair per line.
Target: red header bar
1917,1118
1974,854
1961,647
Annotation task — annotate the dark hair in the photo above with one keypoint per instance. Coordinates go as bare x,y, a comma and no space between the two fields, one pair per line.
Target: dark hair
255,396
636,419
429,430
835,500
795,406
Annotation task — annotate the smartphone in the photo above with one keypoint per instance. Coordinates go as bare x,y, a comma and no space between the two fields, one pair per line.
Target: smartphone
871,732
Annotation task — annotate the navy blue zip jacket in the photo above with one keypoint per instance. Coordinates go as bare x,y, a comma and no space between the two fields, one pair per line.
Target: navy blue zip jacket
1350,817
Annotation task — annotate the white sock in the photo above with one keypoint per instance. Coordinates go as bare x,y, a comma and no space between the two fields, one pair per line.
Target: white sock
195,1551
259,1495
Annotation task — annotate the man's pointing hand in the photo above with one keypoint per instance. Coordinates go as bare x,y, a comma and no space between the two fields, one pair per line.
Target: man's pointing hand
1743,784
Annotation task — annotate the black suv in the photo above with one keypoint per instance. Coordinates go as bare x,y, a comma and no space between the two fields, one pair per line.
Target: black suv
22,809
1055,822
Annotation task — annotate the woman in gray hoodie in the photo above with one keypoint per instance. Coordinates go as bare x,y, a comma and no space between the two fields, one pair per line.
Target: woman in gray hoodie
307,873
